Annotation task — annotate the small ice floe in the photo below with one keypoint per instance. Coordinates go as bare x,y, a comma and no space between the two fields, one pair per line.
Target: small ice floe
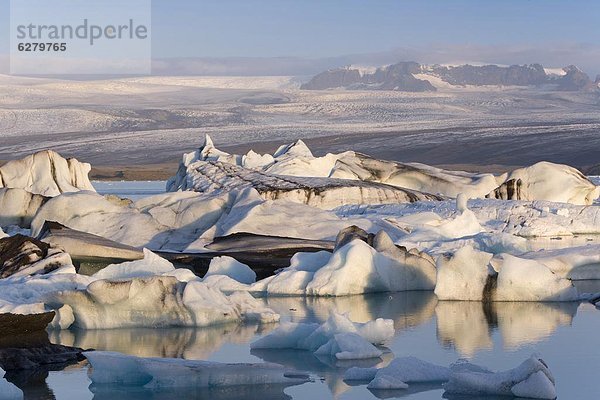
338,337
531,379
405,370
8,391
111,368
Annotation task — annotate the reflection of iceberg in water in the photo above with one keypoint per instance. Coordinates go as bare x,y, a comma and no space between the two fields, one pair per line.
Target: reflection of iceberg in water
407,309
467,325
413,388
188,343
525,323
329,368
271,392
463,325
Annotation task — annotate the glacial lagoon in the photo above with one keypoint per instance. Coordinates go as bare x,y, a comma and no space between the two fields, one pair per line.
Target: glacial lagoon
500,337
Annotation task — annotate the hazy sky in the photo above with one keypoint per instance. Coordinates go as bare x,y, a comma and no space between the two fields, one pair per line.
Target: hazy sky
506,31
329,28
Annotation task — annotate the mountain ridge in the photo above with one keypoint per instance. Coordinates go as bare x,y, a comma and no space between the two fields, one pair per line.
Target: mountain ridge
410,76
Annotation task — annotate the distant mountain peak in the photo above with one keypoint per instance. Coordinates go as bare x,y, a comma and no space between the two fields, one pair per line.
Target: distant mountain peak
410,76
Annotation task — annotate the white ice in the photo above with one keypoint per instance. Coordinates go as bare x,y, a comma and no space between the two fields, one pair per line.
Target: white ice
158,301
46,173
531,379
405,370
338,337
111,368
232,268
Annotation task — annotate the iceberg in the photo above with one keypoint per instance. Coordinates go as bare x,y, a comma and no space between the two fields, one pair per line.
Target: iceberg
326,193
531,379
548,181
404,370
158,301
337,337
24,256
46,173
415,176
110,368
470,274
541,181
189,221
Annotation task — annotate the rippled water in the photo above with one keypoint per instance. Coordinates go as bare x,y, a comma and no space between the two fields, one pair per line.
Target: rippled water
500,337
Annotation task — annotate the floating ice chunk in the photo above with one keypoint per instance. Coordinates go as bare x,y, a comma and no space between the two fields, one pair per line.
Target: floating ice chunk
358,268
251,309
470,274
8,391
2,234
150,265
46,173
360,374
414,176
531,379
110,368
536,386
348,346
387,382
232,268
548,181
577,263
158,301
338,337
463,275
528,280
405,370
287,336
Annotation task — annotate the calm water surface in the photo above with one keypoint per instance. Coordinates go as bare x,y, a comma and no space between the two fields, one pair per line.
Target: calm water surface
565,334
